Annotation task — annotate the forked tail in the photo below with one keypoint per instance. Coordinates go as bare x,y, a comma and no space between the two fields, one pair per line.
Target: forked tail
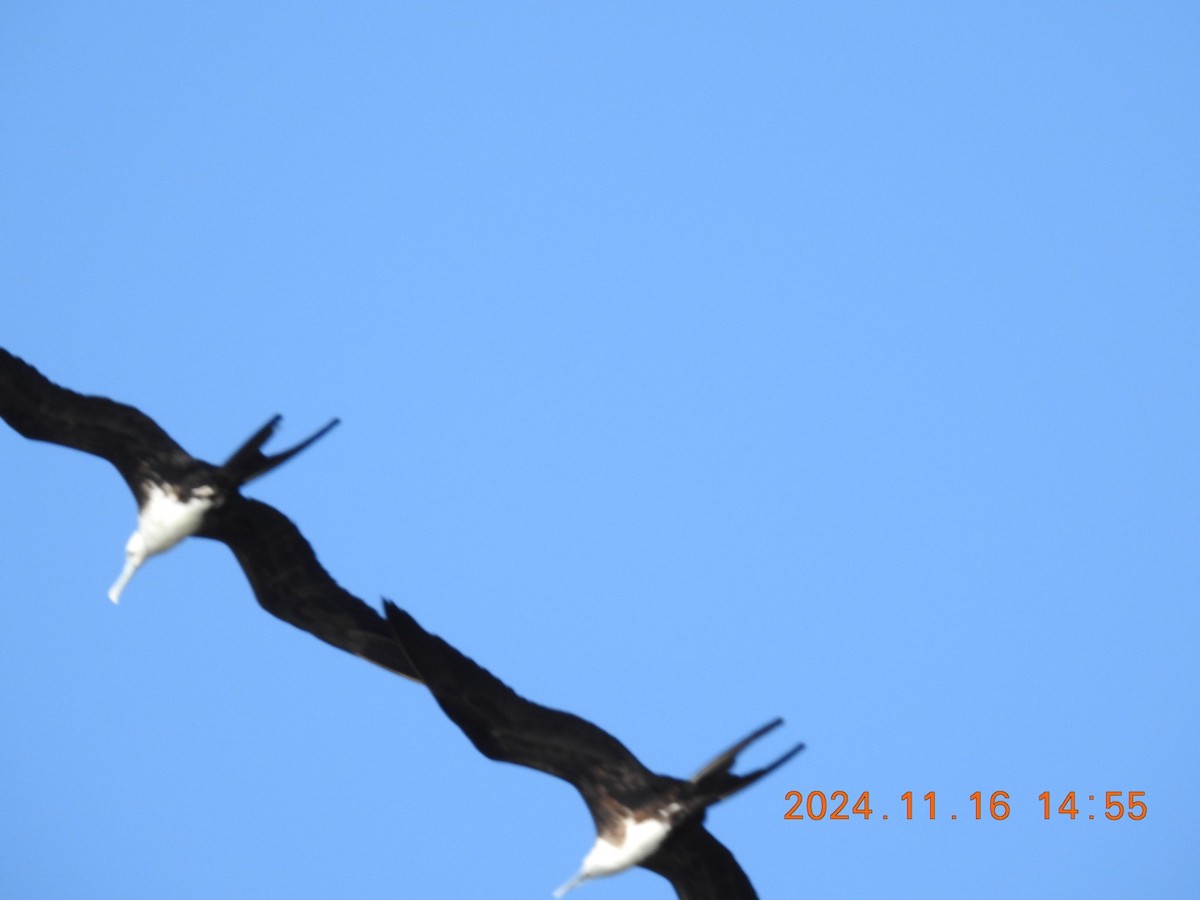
249,462
715,782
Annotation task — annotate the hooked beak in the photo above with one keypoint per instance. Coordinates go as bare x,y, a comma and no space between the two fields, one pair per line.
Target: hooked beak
135,555
575,881
131,566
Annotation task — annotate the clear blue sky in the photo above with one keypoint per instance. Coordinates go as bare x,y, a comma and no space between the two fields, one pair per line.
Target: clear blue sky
697,364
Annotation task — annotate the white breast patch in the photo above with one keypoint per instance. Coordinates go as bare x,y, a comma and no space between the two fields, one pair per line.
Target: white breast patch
165,520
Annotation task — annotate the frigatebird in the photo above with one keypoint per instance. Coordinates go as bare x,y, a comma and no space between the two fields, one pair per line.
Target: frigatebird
179,495
641,818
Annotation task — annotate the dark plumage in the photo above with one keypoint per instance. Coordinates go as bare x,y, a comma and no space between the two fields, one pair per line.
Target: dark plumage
622,795
179,495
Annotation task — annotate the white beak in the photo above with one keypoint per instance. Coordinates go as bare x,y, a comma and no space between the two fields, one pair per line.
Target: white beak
577,880
135,555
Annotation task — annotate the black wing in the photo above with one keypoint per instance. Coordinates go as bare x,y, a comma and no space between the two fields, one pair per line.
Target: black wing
506,727
289,583
700,867
41,410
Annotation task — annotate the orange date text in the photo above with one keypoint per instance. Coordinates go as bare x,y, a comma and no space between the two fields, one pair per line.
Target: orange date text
842,806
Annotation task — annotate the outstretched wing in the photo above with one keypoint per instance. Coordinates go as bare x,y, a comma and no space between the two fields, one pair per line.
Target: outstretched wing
699,866
506,727
41,410
291,584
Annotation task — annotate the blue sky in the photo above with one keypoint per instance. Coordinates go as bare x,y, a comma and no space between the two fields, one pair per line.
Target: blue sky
697,364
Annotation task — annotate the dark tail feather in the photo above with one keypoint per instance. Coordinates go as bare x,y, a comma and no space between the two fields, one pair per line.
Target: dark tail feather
725,760
730,784
249,462
716,782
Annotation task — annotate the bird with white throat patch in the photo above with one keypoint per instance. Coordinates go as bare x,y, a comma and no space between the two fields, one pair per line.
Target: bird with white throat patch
642,819
179,495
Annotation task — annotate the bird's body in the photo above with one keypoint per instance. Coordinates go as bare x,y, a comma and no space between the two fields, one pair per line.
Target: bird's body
641,818
165,518
179,495
632,841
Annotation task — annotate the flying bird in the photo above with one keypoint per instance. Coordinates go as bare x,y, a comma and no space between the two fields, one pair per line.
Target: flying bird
179,495
642,819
